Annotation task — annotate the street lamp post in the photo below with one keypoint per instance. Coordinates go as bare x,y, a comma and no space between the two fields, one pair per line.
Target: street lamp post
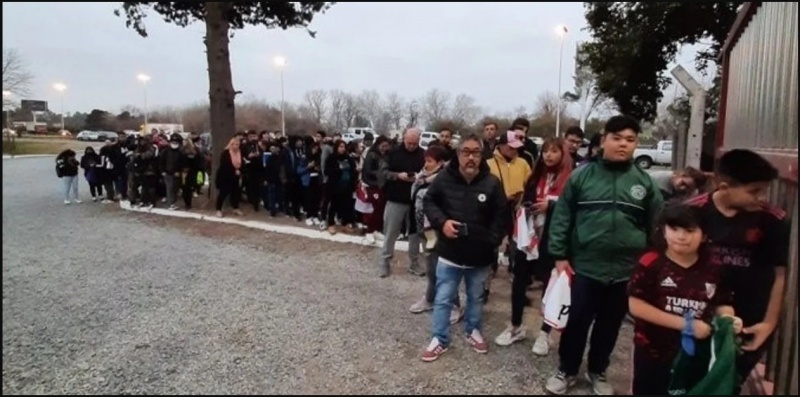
61,88
280,62
144,79
6,96
562,32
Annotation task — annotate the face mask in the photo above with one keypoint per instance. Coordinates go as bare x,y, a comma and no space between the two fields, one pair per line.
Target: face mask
174,145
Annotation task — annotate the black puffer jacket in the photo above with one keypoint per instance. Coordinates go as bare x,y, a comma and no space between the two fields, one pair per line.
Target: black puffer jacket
481,205
401,160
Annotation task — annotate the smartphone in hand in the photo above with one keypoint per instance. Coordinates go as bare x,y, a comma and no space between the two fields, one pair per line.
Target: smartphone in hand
463,230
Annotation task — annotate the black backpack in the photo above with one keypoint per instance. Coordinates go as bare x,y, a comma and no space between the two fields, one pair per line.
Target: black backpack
60,168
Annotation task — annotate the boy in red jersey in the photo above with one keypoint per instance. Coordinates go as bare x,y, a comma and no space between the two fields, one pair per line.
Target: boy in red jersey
750,239
675,290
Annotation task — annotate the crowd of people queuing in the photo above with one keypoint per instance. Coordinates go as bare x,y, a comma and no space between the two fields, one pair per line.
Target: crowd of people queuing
656,247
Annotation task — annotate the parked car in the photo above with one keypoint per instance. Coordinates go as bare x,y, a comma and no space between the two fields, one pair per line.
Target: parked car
88,136
426,137
359,132
647,157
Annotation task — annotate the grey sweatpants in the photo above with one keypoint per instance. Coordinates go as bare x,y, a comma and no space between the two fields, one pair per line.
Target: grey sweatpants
394,216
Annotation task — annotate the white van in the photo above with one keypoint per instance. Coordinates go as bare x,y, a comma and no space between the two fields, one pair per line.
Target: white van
360,132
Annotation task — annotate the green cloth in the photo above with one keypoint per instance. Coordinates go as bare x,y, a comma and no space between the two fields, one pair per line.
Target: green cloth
712,370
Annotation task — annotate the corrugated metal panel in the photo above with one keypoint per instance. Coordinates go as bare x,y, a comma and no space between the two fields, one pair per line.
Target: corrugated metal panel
760,112
761,103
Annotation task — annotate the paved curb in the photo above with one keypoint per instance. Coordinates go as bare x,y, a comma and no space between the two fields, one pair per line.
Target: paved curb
26,156
265,226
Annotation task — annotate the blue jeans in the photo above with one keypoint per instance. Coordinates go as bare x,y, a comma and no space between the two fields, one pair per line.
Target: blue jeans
70,186
274,198
448,279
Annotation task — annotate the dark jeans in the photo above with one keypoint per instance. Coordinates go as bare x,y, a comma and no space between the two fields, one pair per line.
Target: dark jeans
313,197
96,189
231,191
524,273
343,206
108,186
605,305
121,184
189,187
295,194
253,189
650,377
146,184
272,198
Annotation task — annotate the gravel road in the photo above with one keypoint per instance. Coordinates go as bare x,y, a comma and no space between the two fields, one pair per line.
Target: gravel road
98,300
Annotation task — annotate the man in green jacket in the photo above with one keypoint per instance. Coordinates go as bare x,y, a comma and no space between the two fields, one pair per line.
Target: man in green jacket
600,227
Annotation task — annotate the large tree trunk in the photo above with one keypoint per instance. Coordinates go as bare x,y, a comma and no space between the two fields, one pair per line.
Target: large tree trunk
220,84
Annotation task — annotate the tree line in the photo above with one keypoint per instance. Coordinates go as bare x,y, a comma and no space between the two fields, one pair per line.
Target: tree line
334,110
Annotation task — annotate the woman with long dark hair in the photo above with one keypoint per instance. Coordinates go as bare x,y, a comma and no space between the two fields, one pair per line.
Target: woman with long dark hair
550,175
342,178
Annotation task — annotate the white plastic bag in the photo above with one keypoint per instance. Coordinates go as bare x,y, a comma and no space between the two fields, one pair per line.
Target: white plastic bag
363,206
557,300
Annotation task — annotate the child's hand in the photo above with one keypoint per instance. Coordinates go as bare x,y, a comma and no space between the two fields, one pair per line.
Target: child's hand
701,329
737,323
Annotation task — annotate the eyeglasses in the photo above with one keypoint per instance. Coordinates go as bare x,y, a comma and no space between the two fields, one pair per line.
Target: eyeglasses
470,153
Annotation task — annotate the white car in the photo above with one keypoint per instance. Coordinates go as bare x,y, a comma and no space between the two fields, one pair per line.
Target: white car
661,155
426,137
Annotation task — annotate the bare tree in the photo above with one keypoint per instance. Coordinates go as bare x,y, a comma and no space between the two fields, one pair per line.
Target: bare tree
435,105
465,112
395,107
317,103
351,110
412,114
369,104
338,103
547,105
521,111
16,77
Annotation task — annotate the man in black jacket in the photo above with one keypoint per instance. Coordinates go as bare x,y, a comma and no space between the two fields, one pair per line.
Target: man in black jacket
466,205
403,163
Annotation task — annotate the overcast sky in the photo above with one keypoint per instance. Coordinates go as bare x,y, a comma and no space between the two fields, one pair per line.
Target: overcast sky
503,54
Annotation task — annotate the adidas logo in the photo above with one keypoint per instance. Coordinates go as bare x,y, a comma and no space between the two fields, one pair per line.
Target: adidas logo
669,283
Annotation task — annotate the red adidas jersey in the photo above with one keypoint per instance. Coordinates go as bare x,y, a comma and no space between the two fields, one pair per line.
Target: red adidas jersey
674,289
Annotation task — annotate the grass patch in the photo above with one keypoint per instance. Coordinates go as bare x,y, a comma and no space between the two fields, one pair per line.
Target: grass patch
19,147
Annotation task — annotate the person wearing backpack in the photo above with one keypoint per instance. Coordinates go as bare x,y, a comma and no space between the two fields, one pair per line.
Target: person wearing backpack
67,169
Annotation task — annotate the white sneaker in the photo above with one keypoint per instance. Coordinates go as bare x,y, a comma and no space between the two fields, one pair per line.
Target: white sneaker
309,222
455,315
78,201
510,335
541,347
421,306
379,236
369,239
560,383
316,221
67,202
94,199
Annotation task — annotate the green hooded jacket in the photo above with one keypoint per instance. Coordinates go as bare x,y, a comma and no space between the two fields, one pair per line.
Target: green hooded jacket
603,219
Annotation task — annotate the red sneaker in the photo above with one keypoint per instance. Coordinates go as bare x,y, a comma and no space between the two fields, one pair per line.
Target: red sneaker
475,339
433,351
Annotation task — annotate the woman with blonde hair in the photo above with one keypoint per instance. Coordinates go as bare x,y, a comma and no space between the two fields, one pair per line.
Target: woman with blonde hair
229,175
